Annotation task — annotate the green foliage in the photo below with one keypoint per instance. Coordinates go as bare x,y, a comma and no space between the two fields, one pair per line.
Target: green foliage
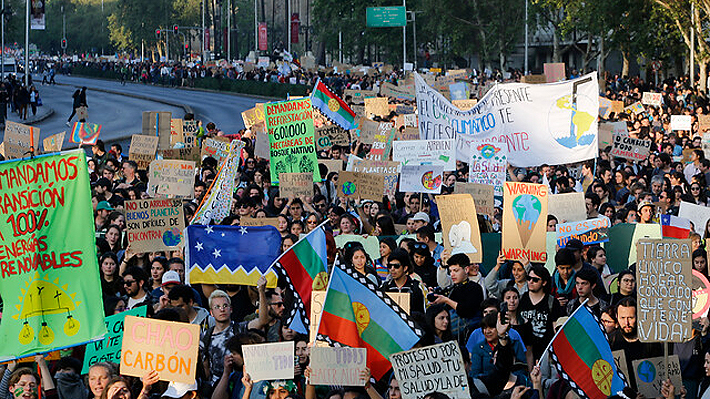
267,89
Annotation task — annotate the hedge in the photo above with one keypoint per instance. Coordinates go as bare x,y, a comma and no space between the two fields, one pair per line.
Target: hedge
267,89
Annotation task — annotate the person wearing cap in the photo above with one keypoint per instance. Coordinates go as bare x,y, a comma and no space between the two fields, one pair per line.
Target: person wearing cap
180,390
169,280
646,211
420,219
103,209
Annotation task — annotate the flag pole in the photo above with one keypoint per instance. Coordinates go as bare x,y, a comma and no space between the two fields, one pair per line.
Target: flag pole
558,332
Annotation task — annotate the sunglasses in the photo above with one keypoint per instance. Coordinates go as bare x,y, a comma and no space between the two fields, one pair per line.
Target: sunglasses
129,282
394,265
534,279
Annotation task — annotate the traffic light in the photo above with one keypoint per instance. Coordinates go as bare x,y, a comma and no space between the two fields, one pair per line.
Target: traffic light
64,43
175,29
185,46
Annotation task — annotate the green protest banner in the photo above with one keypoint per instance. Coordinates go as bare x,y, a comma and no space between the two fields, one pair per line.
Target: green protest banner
49,274
109,348
291,138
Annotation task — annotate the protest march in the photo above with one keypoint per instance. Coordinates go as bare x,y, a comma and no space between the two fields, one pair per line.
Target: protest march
436,234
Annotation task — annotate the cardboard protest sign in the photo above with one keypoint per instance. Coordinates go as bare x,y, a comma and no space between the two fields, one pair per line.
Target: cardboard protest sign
425,152
482,196
388,169
617,107
330,135
681,122
249,221
168,347
458,91
703,123
437,368
158,124
377,106
697,214
635,108
382,143
607,130
333,165
620,360
337,366
172,178
663,278
554,71
358,96
49,274
404,109
298,185
421,178
410,120
19,138
630,148
175,131
405,92
524,221
368,129
408,133
460,225
109,348
253,116
650,374
189,134
534,79
569,207
652,99
273,361
54,142
142,150
487,165
215,147
361,185
465,105
590,231
291,138
604,107
155,224
184,154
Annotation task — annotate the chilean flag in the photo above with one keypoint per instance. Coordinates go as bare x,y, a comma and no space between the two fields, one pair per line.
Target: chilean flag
675,227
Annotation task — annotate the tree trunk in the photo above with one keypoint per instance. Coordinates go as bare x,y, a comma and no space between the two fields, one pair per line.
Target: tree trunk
555,47
625,65
501,55
703,71
601,58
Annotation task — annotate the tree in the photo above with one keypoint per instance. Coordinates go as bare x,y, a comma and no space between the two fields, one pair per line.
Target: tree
687,18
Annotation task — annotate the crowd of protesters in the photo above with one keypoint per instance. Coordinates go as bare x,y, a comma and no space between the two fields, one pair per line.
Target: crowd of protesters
503,319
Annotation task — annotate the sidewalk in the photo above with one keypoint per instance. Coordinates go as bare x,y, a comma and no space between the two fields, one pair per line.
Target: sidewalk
43,113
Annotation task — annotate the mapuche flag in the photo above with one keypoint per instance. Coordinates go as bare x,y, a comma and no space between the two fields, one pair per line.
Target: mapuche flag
304,266
583,357
358,315
332,106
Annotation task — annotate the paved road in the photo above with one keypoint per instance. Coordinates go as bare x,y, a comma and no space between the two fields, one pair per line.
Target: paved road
121,115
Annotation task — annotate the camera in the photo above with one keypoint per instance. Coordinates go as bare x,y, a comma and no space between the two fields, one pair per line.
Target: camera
431,297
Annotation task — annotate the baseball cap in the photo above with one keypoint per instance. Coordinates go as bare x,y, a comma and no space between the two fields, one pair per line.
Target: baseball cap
171,277
575,245
421,216
178,389
104,205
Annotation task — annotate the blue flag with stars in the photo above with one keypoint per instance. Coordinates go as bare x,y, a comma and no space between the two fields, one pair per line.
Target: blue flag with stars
231,254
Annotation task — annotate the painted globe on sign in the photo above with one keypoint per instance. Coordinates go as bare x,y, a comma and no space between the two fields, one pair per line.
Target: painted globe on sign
348,188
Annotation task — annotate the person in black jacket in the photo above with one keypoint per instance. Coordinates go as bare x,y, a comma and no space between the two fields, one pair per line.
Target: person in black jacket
464,297
401,281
